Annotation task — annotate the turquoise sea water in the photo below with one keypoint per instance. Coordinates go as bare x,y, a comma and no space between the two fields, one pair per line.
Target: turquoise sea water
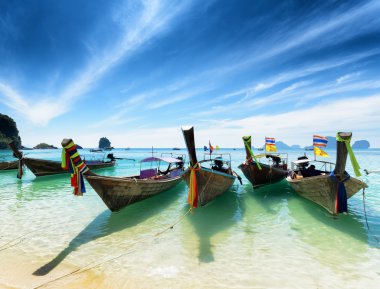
263,238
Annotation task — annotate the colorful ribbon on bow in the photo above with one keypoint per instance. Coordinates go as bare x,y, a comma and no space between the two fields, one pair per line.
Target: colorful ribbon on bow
192,197
341,194
354,162
72,161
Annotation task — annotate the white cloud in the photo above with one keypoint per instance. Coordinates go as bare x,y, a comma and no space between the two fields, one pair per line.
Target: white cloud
296,127
293,127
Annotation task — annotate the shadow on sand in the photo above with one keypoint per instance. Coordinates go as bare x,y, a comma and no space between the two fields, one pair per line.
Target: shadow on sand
107,223
215,217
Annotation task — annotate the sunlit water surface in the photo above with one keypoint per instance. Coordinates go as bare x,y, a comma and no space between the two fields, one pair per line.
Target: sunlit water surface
263,238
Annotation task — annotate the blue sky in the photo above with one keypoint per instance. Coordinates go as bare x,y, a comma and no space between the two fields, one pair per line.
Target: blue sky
136,71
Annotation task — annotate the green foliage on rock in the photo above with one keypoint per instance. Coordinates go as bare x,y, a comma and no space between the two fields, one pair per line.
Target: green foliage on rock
8,132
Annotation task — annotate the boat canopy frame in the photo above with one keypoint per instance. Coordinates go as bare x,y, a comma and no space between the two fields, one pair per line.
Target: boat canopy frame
283,156
218,156
297,165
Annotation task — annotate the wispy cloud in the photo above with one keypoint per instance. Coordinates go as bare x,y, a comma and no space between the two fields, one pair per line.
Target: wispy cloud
347,77
153,19
296,126
171,99
293,127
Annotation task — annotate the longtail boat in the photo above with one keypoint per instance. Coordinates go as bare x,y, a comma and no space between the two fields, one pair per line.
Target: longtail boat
41,167
119,192
317,182
259,173
208,178
12,165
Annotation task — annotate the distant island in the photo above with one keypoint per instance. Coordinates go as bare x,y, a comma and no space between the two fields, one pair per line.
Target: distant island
44,146
104,143
361,144
8,132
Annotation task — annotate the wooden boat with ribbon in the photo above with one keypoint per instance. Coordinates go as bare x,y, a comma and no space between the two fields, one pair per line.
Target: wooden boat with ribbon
317,182
206,179
119,192
259,173
41,167
11,165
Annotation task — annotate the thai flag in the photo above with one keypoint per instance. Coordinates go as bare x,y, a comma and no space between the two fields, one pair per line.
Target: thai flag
270,141
319,141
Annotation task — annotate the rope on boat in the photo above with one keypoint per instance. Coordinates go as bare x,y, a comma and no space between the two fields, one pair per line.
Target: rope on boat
83,269
176,223
22,237
369,172
5,168
365,211
89,267
365,215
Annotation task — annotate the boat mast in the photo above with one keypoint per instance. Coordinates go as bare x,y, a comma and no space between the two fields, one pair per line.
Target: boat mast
188,135
247,144
341,154
15,150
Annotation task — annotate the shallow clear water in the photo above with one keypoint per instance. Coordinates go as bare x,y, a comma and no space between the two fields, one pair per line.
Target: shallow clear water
267,237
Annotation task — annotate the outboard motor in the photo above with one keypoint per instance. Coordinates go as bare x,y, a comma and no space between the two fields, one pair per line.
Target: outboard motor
303,165
180,165
111,157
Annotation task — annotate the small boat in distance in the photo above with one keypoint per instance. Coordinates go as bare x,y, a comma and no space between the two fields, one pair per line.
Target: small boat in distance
259,173
119,192
96,150
40,167
318,182
176,149
208,178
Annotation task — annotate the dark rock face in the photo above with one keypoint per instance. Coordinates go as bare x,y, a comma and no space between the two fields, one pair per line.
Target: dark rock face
361,144
44,146
104,143
8,132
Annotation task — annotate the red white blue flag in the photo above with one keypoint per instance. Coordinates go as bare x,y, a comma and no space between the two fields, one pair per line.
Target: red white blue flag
270,141
319,141
270,144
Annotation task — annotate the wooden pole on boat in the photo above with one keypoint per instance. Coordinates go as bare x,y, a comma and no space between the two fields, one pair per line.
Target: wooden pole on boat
247,142
15,150
188,135
341,154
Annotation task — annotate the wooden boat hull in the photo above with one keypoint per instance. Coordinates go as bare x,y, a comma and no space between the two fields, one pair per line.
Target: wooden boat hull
211,183
322,189
119,192
267,174
8,165
41,167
